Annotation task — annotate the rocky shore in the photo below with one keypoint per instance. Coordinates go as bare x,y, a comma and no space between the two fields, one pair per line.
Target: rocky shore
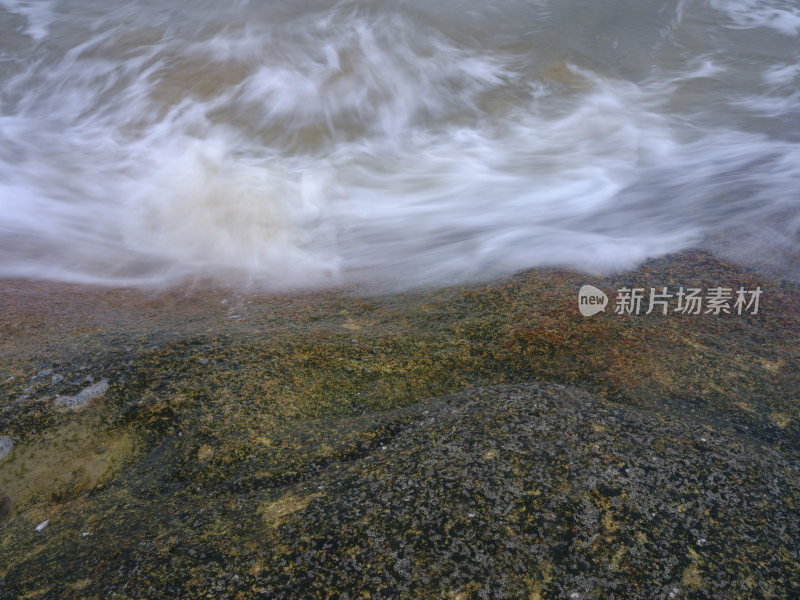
484,440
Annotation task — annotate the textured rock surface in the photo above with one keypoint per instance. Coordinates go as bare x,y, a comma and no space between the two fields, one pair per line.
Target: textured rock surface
537,489
530,490
297,446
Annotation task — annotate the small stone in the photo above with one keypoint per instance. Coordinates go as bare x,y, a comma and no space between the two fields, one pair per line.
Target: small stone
84,397
204,453
6,444
42,525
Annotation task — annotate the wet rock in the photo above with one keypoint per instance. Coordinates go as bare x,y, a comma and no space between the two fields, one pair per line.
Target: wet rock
298,460
565,507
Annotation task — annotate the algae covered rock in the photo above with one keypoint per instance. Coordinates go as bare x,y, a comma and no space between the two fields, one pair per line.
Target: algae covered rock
528,490
547,491
468,442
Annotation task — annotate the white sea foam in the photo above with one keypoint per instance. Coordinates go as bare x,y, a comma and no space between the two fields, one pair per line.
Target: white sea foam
781,74
780,15
38,14
308,145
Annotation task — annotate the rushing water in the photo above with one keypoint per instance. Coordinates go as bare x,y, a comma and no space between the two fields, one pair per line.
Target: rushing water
310,142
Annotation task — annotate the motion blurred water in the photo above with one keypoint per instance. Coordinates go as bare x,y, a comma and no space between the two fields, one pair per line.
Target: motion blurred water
395,142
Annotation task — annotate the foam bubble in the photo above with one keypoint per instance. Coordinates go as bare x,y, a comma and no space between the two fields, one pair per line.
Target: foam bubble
39,15
779,15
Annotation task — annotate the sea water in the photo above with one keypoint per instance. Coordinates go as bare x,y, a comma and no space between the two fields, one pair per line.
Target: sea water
310,143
